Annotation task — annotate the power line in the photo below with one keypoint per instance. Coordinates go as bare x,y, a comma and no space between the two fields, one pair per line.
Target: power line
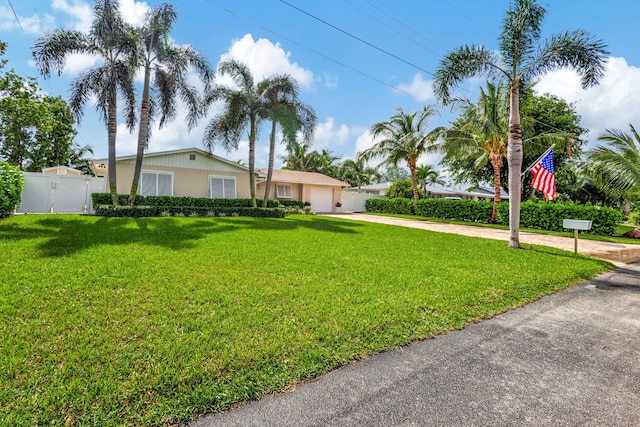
18,20
357,38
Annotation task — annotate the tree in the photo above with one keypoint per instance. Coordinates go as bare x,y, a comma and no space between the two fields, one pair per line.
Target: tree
428,175
520,60
115,43
404,140
402,188
480,134
299,158
245,106
292,115
36,131
356,172
617,165
169,65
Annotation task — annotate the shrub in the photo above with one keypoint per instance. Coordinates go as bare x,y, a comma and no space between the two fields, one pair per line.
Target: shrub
395,206
294,203
200,202
11,186
402,188
151,211
460,210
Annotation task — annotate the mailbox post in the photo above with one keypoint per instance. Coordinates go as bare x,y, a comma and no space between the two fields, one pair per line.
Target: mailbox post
576,224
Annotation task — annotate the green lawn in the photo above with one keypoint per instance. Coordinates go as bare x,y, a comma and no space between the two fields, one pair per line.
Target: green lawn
152,321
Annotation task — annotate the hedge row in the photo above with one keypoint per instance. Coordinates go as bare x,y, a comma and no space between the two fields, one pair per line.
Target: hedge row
151,211
200,202
549,216
11,185
542,216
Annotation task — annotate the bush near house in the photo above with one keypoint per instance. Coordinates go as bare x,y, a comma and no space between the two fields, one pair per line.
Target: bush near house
541,216
11,185
151,211
197,202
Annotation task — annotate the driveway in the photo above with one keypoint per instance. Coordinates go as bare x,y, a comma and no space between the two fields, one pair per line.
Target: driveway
568,359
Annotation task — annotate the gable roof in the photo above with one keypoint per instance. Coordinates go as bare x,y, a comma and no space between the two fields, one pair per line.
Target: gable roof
298,177
179,158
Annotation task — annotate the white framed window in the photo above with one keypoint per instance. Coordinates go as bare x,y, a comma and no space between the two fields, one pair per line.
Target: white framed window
284,191
156,183
222,187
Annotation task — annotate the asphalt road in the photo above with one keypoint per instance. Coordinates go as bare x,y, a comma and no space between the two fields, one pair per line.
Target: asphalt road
569,359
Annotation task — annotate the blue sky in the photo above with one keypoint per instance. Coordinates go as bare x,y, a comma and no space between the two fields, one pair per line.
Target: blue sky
351,85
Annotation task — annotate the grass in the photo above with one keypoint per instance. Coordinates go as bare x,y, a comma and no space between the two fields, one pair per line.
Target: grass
620,229
111,321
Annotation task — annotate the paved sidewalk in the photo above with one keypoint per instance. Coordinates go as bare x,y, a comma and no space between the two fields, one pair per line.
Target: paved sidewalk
568,359
617,253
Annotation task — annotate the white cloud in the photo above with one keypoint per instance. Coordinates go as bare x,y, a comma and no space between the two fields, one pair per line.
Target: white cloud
34,24
330,80
133,12
419,88
265,59
612,104
364,141
330,136
80,11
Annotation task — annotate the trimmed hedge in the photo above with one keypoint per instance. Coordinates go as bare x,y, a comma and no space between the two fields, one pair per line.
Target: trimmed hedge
549,216
151,211
542,216
460,210
11,185
200,202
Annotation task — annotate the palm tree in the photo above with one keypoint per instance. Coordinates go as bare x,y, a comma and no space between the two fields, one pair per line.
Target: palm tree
299,158
404,140
169,64
481,134
114,42
245,106
428,175
356,172
291,114
617,166
521,60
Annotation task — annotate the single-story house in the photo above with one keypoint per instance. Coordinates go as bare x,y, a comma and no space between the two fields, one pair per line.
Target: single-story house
435,191
62,170
196,173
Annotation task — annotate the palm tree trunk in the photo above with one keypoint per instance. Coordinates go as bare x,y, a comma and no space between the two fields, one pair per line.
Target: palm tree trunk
272,149
252,162
414,181
112,128
142,135
496,188
514,157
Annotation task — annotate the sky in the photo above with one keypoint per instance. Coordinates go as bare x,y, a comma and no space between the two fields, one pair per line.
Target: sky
355,61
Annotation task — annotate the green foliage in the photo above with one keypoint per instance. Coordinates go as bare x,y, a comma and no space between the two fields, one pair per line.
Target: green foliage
11,185
460,210
401,189
151,211
174,201
400,205
152,321
549,216
289,203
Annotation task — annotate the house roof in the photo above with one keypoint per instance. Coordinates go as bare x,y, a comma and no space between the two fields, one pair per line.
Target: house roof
171,153
67,168
372,187
298,177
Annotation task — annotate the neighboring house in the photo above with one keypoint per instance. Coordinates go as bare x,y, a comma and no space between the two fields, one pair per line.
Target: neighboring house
196,173
320,191
435,191
379,189
62,170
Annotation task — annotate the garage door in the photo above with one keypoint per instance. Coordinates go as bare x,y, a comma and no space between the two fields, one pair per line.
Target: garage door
321,199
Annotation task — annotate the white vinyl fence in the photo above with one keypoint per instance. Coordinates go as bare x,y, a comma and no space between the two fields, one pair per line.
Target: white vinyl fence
354,202
49,193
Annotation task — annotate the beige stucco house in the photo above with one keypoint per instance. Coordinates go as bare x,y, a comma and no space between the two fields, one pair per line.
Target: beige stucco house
196,173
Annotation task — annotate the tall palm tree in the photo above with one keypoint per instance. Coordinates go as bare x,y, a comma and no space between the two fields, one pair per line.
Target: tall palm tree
169,64
404,139
292,115
244,106
115,43
521,60
617,166
481,134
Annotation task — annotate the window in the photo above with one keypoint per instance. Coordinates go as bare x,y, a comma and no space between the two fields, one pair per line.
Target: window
156,183
284,192
222,187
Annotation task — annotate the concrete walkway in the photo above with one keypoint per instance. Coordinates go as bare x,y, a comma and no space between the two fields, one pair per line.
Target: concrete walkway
617,253
568,359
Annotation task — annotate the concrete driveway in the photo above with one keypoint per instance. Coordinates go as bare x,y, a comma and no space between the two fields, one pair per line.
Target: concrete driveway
569,359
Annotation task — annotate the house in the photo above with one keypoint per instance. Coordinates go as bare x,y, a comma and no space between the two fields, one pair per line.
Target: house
62,170
196,173
434,191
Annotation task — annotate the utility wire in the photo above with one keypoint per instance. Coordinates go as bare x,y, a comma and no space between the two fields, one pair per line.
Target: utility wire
386,52
18,20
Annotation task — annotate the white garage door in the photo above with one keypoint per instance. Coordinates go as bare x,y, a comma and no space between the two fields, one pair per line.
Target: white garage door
321,199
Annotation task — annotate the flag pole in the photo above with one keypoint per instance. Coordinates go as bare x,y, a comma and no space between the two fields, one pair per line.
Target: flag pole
536,162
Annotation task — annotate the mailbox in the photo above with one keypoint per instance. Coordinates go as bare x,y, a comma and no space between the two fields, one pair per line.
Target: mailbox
577,224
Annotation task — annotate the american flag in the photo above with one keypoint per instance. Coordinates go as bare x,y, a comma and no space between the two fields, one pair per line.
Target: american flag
543,178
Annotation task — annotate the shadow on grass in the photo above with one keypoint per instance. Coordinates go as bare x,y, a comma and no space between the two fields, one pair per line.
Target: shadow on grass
65,235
